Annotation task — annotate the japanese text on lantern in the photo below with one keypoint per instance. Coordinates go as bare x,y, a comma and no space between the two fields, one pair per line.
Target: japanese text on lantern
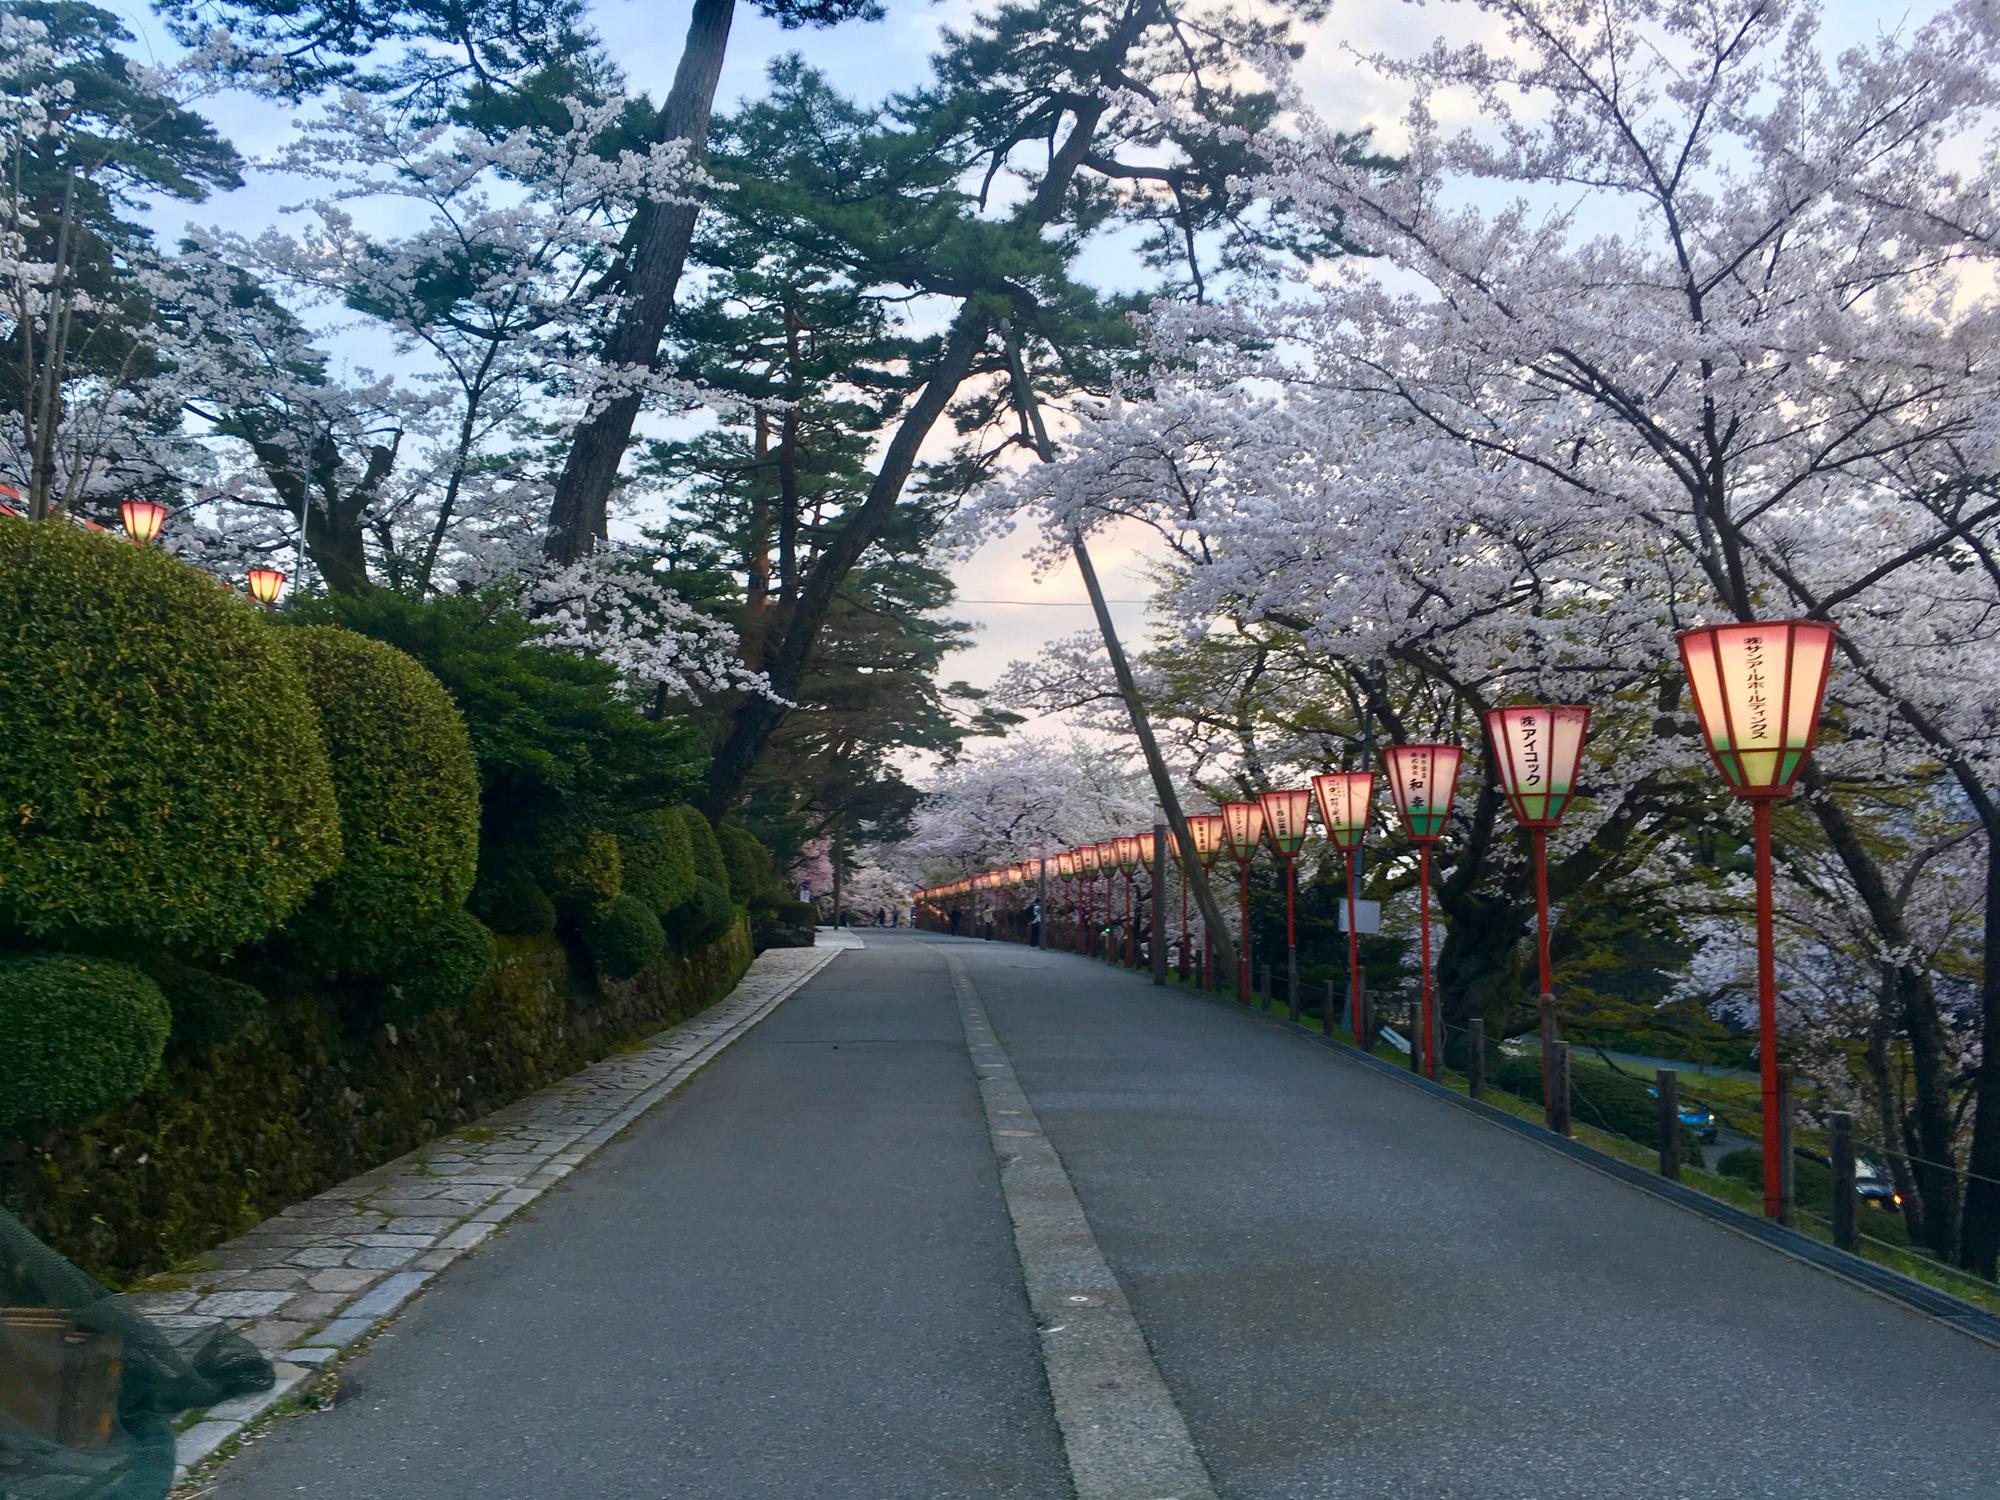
1531,751
1753,687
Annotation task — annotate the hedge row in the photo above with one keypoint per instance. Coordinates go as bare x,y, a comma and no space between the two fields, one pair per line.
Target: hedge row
224,1137
202,790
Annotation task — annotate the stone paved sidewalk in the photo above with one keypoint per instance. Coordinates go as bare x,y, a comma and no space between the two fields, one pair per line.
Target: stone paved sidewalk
323,1273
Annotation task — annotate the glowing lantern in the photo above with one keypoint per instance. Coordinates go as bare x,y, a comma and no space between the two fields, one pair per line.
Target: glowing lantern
143,519
1210,831
1536,751
1758,690
1345,800
1243,824
1423,779
265,584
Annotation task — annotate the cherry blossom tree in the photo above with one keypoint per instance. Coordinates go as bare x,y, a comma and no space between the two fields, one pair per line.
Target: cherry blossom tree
1693,322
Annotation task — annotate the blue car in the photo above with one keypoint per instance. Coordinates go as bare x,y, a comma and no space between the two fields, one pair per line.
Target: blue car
1698,1118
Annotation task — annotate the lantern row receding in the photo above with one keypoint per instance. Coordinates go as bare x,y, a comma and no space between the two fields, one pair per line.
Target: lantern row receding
1758,690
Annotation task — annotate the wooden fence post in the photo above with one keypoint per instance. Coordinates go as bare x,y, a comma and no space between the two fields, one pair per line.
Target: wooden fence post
1558,1104
1475,1057
1846,1233
1668,1085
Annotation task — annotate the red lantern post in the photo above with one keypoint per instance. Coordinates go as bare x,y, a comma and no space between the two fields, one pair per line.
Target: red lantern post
1107,861
1758,689
1128,862
1285,814
1210,831
1345,798
1536,751
1144,846
1243,825
1087,855
1424,779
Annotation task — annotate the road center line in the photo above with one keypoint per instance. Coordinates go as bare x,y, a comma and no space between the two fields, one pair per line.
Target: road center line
1124,1437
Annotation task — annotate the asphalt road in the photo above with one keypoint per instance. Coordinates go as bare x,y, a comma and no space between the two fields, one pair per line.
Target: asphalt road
798,1279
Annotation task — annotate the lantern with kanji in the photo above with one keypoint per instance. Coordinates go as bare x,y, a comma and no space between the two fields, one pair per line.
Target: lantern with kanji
1423,780
1758,689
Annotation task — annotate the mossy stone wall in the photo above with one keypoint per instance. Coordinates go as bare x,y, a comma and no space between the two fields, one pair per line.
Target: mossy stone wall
221,1140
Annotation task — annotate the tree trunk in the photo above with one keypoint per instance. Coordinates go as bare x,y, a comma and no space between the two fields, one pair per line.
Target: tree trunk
756,718
661,233
1980,1243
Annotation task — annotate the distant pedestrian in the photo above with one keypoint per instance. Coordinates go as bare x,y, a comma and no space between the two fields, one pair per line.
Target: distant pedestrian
881,916
954,921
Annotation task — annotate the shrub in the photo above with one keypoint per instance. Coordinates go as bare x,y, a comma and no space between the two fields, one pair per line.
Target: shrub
798,914
588,869
207,1009
748,863
77,1035
708,861
508,898
701,919
164,778
445,966
1610,1101
408,792
658,860
552,732
1812,1179
624,938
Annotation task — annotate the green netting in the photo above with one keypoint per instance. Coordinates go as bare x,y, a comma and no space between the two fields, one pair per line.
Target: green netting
89,1389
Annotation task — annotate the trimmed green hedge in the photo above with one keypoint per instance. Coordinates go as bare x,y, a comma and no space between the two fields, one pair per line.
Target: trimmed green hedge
408,792
221,1140
508,898
623,938
208,1009
701,919
749,865
450,961
80,1035
164,777
708,861
587,869
1812,1180
658,859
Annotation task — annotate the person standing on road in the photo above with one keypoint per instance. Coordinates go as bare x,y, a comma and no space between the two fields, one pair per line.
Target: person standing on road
954,921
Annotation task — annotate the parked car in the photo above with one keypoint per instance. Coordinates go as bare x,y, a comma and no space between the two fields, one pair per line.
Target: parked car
1698,1118
1875,1190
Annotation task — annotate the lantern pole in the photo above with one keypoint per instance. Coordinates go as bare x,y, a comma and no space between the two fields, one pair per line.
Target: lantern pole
1243,946
1353,944
1547,1001
1291,935
1424,937
1042,902
1767,1015
1131,956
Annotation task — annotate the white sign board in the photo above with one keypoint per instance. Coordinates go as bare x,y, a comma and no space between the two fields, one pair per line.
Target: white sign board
1367,917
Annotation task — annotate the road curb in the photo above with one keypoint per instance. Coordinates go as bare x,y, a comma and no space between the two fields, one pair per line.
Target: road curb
1124,1438
1953,1312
